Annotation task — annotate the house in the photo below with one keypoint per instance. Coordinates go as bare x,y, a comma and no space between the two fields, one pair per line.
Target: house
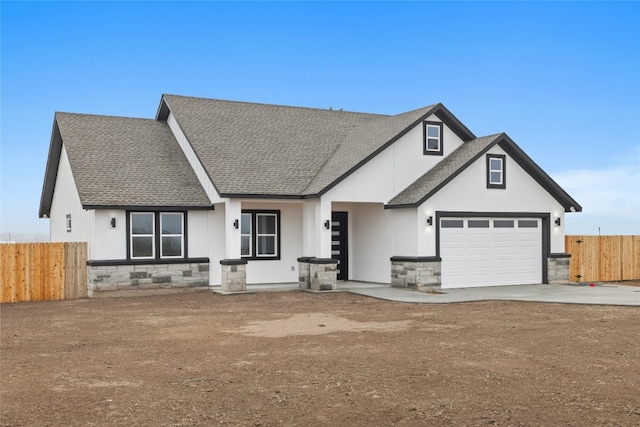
223,193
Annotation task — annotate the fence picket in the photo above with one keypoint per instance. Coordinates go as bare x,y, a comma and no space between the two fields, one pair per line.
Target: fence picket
42,271
603,258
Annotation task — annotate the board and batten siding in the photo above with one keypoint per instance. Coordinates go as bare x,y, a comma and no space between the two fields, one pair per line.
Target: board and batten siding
393,169
66,201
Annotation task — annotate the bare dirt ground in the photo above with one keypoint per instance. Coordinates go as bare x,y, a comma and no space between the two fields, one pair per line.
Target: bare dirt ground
298,359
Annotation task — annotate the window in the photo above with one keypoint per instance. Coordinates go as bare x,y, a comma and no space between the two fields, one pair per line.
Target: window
171,235
496,171
433,138
68,223
246,248
260,235
152,230
478,223
502,223
452,223
527,223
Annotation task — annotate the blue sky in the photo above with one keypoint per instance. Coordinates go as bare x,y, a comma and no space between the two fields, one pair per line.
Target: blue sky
562,79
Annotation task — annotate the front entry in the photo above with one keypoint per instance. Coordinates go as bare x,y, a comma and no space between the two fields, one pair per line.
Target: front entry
340,243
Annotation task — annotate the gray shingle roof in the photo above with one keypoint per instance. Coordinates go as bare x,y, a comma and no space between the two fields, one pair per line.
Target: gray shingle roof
361,142
443,172
251,149
118,161
248,149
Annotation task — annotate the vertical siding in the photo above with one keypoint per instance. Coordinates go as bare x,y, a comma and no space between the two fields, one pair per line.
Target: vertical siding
66,200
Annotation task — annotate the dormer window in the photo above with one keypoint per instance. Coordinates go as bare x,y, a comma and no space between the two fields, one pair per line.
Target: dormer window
433,138
496,171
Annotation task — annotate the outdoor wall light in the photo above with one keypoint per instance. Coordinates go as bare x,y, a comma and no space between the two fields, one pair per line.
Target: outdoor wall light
113,223
429,220
327,224
235,224
558,222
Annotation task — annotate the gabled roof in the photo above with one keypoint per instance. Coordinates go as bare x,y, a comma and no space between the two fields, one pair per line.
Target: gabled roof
456,162
121,162
276,151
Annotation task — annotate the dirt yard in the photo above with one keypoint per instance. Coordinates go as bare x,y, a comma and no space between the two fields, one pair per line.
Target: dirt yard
298,359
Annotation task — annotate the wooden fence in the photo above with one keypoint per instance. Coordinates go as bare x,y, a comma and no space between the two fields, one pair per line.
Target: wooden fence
603,258
43,271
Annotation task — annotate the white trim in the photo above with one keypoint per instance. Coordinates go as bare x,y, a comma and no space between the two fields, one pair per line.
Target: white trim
274,235
500,170
181,235
152,235
193,159
249,235
438,138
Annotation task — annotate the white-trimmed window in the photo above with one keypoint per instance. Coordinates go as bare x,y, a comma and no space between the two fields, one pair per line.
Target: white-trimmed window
68,221
246,227
260,234
266,234
156,235
496,173
172,235
142,238
433,138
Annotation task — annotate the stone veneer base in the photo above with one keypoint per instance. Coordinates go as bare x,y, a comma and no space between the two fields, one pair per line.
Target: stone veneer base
234,276
146,279
558,269
420,273
318,274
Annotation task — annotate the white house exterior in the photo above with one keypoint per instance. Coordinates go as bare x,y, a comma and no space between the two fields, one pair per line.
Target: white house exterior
220,193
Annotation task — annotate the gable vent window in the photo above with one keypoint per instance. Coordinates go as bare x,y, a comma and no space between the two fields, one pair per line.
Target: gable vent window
433,138
496,171
68,223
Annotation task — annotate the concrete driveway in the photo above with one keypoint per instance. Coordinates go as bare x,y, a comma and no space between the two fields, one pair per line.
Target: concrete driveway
569,294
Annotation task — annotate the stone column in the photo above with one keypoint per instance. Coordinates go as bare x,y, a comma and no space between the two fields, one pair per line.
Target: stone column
323,274
234,275
558,269
304,273
420,273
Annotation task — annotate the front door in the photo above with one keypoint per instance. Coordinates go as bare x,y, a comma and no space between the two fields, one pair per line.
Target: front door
340,243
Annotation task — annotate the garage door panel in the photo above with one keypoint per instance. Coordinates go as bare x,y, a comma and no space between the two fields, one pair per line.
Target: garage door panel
510,253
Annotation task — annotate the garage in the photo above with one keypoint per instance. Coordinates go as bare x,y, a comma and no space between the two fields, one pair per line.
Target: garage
490,251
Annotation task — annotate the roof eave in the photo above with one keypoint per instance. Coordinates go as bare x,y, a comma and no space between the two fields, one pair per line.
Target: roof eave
453,123
163,110
150,207
448,179
51,171
263,196
539,175
439,111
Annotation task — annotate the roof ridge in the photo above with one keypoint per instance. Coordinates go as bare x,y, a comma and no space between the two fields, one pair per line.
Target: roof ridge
423,111
101,115
276,105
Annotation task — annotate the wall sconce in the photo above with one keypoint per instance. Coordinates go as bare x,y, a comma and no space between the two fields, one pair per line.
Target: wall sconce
429,220
327,224
113,223
558,222
235,224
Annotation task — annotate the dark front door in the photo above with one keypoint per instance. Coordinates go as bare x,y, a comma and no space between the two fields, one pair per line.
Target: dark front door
340,243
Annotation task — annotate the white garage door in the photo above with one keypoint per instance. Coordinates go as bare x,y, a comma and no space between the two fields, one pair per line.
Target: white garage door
490,251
